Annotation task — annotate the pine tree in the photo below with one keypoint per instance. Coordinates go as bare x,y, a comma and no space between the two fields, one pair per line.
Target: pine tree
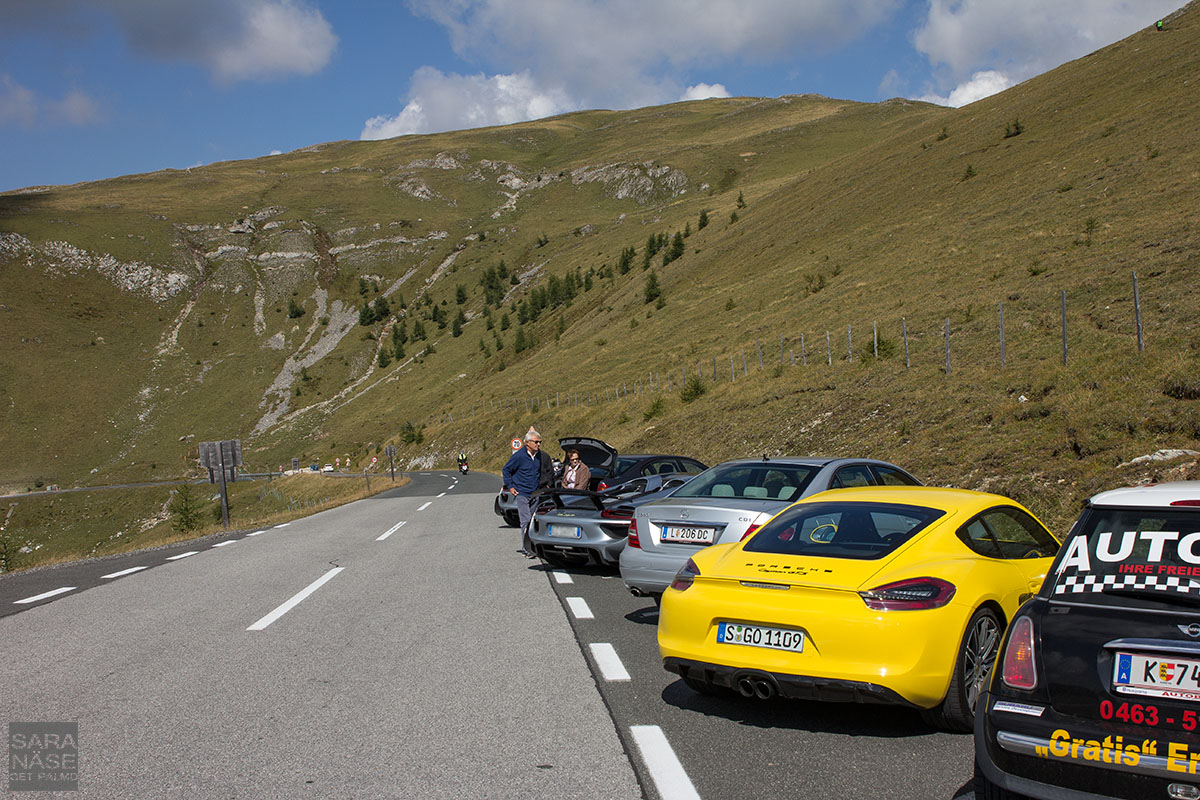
651,292
185,508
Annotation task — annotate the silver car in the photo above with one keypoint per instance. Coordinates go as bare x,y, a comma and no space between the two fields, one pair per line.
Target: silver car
729,502
572,527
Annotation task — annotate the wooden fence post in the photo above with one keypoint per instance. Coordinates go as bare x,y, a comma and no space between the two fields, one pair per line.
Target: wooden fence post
1003,352
1063,296
904,333
1137,314
947,345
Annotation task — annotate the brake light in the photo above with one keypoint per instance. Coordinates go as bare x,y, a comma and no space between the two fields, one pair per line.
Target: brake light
686,576
616,513
633,540
545,507
1020,670
1185,503
913,594
750,532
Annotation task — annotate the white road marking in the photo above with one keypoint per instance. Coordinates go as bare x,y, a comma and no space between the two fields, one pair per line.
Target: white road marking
183,555
562,577
124,572
579,608
283,525
667,773
295,600
44,595
391,530
227,541
443,494
427,505
256,533
609,662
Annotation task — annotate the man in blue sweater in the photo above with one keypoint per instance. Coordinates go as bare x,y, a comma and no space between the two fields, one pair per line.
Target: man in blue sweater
523,475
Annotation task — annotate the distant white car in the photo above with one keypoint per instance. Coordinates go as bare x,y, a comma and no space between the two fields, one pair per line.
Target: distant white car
327,468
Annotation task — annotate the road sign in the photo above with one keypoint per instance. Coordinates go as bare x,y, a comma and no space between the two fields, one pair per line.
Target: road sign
515,444
374,459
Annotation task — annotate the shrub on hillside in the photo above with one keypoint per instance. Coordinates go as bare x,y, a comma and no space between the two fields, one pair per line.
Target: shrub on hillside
692,389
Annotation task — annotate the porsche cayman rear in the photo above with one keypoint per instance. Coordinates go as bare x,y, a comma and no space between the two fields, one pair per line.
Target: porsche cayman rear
883,594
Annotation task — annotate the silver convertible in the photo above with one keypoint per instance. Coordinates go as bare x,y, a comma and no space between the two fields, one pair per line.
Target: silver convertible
573,528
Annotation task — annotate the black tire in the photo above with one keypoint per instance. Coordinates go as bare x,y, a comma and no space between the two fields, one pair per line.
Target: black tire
972,670
986,790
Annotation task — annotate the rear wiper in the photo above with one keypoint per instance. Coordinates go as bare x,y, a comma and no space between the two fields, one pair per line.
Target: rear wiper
1170,597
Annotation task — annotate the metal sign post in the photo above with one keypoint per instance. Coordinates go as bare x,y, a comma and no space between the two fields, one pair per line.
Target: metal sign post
222,457
391,454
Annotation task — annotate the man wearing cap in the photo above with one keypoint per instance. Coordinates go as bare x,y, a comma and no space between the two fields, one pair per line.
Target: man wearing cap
523,475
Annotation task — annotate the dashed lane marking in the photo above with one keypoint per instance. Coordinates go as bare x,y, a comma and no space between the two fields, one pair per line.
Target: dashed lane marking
256,533
427,505
390,531
562,577
227,541
609,662
45,595
124,572
579,608
295,600
283,525
667,773
183,555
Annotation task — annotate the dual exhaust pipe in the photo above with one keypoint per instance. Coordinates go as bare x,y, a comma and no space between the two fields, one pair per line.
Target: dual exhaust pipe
751,685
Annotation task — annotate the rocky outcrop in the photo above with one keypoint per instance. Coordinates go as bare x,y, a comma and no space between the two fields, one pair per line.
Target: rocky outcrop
159,283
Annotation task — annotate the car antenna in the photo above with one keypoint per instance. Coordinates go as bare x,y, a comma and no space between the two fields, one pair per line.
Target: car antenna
764,456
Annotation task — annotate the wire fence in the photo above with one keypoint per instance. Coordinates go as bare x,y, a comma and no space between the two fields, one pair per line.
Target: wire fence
797,351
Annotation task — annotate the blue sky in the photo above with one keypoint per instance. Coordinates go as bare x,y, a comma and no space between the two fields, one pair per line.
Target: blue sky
92,89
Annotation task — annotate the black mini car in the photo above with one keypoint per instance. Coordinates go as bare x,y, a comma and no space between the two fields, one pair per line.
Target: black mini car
1096,691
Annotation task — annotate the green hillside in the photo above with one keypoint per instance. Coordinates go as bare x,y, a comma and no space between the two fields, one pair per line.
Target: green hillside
143,314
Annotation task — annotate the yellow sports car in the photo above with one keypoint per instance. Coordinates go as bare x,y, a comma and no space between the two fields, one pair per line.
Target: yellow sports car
891,594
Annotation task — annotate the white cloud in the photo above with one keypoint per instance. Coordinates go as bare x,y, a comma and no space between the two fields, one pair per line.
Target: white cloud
274,39
76,108
441,102
982,84
233,40
571,54
1023,38
703,91
18,105
23,107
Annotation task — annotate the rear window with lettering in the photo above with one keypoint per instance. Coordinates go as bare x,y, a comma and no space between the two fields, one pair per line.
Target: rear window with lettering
1113,554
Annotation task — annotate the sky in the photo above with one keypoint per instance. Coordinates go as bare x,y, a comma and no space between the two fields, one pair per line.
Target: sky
93,89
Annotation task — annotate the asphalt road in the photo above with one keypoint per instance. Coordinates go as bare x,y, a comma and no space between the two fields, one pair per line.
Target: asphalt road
350,655
429,663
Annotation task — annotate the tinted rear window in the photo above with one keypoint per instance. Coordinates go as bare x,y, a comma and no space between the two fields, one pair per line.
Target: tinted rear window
624,464
1122,550
764,481
841,530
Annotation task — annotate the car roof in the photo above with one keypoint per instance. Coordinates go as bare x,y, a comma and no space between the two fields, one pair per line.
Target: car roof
807,461
1154,495
939,497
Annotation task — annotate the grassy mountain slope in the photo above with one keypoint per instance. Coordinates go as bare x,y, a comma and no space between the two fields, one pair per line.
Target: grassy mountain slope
166,319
